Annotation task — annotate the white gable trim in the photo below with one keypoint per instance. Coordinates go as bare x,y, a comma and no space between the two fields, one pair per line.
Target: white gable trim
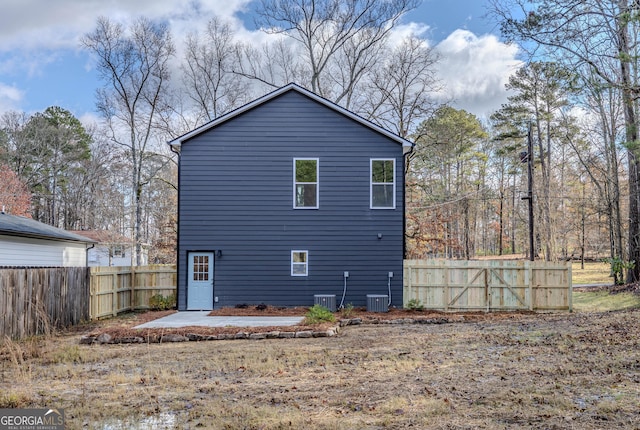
177,143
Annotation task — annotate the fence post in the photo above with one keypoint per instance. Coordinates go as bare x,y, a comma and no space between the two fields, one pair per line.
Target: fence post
91,294
409,284
487,292
132,299
532,291
570,298
114,294
446,286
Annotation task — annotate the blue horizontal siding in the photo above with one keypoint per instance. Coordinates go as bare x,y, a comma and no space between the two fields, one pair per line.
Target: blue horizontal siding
236,196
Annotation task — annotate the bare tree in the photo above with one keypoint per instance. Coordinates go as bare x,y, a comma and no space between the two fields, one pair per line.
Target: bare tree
134,66
601,35
207,72
401,86
326,30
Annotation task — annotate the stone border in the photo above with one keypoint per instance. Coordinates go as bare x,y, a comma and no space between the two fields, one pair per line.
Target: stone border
105,338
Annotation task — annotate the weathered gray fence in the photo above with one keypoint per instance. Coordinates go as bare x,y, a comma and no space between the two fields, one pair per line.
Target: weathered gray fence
35,300
495,285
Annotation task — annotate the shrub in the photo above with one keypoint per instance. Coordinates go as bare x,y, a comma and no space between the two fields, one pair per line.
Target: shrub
415,305
159,302
618,266
347,311
318,314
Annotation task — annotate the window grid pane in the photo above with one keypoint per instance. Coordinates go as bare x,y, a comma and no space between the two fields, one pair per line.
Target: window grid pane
382,171
382,183
299,263
305,183
201,268
382,196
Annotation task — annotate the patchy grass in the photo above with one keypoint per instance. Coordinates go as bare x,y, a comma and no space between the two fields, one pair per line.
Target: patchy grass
593,273
603,301
576,370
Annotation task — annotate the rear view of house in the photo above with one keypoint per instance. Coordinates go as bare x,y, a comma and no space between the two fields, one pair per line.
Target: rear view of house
289,197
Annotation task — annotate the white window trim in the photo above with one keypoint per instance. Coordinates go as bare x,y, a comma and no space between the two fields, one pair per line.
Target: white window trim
317,206
371,183
306,272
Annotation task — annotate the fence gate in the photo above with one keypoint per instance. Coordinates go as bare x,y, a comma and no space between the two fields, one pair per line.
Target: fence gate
453,285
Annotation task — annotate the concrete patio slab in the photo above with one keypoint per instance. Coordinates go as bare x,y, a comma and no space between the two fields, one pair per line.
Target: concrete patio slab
201,319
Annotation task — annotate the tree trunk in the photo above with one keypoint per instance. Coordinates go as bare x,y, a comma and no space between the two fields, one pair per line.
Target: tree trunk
631,133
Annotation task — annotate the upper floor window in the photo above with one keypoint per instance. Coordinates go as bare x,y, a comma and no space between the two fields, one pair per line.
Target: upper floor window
305,183
383,183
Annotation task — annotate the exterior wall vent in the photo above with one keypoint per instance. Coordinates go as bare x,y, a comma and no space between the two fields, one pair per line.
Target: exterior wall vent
326,300
377,303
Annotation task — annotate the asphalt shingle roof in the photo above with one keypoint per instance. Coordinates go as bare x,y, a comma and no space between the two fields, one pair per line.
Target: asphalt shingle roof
26,227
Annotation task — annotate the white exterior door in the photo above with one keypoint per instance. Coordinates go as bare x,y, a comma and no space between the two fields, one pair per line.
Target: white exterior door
200,281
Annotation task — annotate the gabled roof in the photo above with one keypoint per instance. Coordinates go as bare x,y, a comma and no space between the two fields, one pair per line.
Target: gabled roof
177,143
104,237
13,225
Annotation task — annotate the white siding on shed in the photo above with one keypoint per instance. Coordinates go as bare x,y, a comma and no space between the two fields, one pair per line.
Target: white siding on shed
21,251
99,256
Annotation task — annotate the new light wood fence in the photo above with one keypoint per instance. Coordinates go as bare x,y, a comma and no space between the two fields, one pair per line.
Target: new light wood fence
495,285
35,300
120,289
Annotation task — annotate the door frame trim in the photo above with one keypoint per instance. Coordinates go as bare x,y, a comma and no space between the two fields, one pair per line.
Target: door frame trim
186,274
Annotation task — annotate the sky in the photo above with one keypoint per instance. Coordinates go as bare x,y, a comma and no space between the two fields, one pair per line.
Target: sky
42,63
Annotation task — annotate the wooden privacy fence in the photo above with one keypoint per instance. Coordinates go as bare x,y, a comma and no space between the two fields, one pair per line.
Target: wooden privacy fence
119,289
495,285
35,300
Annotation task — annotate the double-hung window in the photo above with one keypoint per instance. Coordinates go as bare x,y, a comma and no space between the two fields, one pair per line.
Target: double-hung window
299,263
383,183
305,183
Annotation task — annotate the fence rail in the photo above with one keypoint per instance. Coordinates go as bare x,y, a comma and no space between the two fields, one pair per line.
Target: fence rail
35,300
124,288
494,285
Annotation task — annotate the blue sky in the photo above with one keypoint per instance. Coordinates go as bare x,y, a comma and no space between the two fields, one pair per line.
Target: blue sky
41,63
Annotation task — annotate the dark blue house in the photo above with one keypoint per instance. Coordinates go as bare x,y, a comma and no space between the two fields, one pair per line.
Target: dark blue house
289,197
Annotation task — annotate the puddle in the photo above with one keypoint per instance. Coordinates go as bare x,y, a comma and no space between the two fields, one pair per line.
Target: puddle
163,421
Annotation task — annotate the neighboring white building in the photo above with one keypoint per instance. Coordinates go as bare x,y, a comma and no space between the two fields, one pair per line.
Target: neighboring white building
28,243
111,249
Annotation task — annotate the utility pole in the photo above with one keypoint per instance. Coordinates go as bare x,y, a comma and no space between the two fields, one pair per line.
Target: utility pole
527,157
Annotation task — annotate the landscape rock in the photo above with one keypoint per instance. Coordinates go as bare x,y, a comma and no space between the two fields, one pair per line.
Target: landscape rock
304,334
129,339
287,334
257,336
104,338
173,338
87,340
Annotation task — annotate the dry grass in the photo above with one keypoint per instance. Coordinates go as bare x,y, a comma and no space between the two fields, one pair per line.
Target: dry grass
593,273
520,371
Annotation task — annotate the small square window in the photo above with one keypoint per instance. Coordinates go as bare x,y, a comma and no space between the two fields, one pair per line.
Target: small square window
117,251
299,263
383,184
305,183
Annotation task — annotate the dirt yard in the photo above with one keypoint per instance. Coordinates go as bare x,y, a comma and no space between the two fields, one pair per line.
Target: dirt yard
554,371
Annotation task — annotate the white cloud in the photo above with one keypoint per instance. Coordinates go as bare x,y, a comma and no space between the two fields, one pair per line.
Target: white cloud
474,70
36,24
401,32
10,97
